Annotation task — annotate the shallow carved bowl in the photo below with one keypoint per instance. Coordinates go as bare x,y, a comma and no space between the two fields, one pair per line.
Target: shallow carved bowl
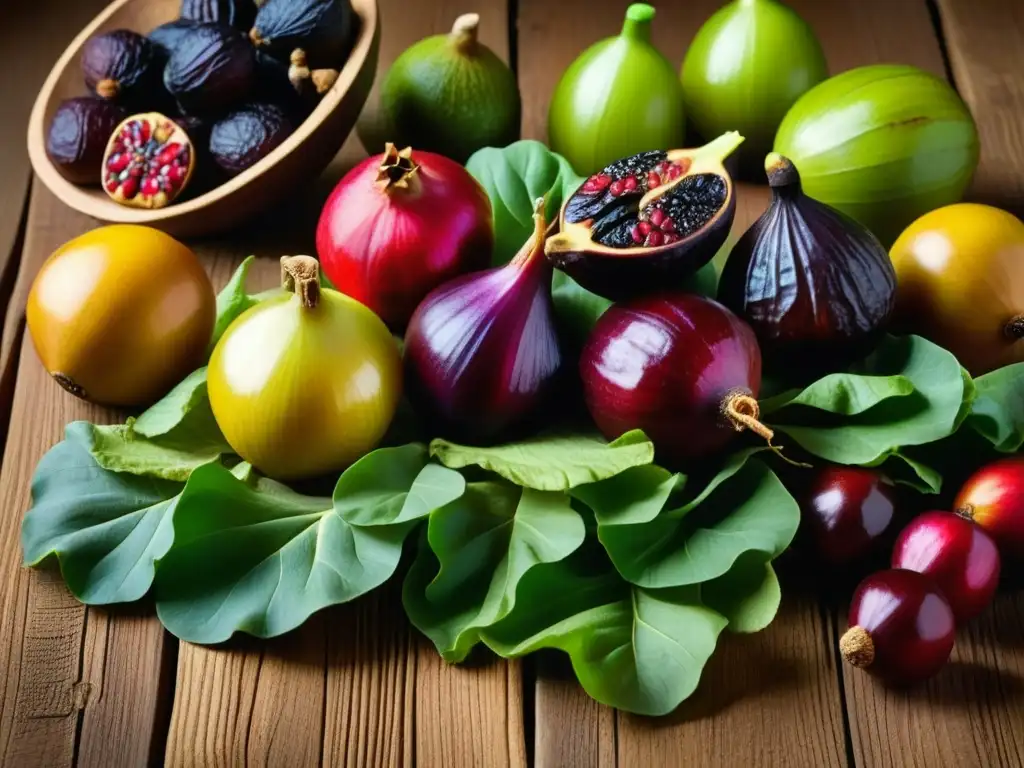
297,162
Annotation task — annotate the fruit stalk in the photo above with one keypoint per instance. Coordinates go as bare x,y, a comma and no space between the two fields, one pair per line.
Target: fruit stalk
637,25
465,33
301,276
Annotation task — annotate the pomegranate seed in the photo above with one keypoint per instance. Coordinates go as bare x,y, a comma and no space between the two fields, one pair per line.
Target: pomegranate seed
144,130
150,186
617,187
655,239
629,183
657,217
653,179
129,189
597,183
675,172
666,239
667,225
644,227
118,162
112,185
636,235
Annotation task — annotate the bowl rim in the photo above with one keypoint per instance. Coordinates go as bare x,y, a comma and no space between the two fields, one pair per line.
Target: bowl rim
83,199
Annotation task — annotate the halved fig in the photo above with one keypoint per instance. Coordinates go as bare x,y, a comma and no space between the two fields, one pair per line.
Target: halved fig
648,221
148,162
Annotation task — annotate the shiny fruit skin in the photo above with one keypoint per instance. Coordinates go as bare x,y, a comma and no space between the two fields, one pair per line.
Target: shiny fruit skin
748,64
664,364
388,248
845,511
909,622
957,555
120,314
620,97
960,279
883,143
993,497
302,393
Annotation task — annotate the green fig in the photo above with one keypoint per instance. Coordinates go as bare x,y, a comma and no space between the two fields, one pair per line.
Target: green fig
448,94
619,98
748,64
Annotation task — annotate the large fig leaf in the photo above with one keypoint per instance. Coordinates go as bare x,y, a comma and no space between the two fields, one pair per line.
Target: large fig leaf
997,413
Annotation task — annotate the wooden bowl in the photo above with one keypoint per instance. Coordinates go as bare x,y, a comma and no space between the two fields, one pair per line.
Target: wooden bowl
297,162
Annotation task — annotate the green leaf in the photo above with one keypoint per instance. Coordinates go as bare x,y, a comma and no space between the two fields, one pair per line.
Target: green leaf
576,308
748,596
551,462
514,177
233,300
638,650
261,559
105,529
744,508
997,413
908,392
478,548
119,448
188,399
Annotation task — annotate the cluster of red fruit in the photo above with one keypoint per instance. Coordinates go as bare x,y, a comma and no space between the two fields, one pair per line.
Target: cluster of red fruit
944,569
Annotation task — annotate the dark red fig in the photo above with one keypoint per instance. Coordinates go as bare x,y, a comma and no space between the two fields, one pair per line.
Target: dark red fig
817,287
481,352
78,136
212,69
681,367
322,28
125,66
148,162
647,222
901,627
236,13
845,511
993,497
957,555
247,135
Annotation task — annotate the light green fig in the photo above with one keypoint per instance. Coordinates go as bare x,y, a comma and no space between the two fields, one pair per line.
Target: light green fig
620,97
748,64
884,144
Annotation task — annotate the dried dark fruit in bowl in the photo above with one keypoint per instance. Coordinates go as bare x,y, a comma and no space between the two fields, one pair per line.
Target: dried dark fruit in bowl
78,136
647,222
125,66
148,162
247,135
236,13
168,36
212,69
322,28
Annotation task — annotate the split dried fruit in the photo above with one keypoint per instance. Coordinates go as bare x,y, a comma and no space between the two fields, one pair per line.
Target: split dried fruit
213,68
236,13
323,28
123,65
78,136
148,162
247,135
648,221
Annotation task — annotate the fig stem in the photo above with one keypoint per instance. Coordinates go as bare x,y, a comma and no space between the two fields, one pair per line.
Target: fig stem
781,172
1014,329
857,647
637,25
966,512
465,32
743,411
108,88
301,276
536,243
397,169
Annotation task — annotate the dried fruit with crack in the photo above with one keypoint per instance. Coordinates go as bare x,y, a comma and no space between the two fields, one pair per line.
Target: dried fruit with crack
236,13
212,69
148,162
323,28
78,136
124,66
247,135
648,221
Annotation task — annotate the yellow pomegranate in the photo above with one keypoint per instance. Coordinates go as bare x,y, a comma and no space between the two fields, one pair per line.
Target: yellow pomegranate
120,314
960,283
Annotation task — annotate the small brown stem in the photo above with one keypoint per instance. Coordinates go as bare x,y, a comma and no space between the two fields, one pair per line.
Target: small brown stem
742,411
397,169
257,37
857,647
301,276
323,79
464,32
1014,328
69,384
108,89
966,512
298,69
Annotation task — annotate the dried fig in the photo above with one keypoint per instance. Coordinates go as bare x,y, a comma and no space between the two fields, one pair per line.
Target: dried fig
78,136
148,162
168,36
212,69
125,66
273,86
247,135
322,28
236,13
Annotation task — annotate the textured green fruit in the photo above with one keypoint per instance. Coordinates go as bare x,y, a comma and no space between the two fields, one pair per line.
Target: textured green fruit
451,94
885,144
746,67
620,97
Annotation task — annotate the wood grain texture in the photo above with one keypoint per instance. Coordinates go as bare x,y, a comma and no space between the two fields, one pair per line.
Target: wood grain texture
983,38
64,668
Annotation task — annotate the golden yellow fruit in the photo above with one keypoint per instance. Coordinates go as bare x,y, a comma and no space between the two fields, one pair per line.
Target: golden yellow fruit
120,314
960,283
305,382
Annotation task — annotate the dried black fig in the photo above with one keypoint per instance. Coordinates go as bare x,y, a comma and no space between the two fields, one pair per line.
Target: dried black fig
247,135
817,287
212,69
322,28
78,136
236,13
273,86
168,36
124,66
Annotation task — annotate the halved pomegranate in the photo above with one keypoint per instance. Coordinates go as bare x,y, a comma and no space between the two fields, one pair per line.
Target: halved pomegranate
148,162
648,221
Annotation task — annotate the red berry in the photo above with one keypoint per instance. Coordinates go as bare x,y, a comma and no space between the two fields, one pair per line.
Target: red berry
654,239
957,555
657,217
644,227
617,187
993,497
629,183
845,511
901,627
653,179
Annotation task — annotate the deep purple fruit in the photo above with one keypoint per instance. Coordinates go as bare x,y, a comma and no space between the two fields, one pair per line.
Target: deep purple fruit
681,367
247,135
78,136
211,70
845,511
126,67
236,13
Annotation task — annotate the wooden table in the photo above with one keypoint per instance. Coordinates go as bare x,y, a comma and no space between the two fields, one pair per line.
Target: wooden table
355,686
